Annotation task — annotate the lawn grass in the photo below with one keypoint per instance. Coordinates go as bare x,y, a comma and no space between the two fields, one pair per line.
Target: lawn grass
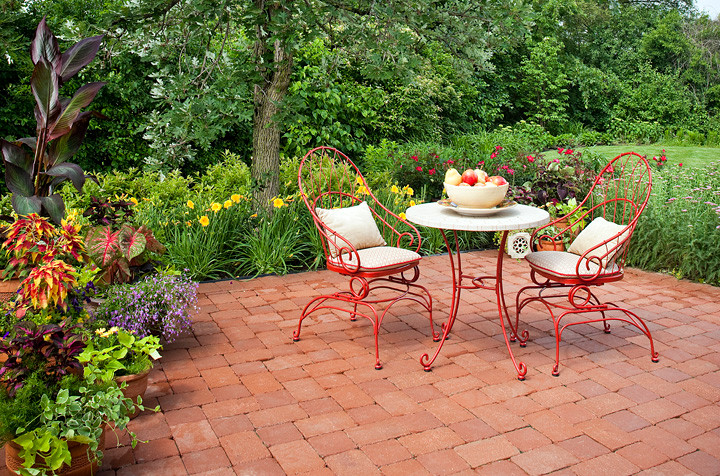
688,156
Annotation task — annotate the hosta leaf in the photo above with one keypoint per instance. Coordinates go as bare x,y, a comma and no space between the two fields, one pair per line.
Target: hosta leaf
82,98
45,87
44,45
69,171
78,56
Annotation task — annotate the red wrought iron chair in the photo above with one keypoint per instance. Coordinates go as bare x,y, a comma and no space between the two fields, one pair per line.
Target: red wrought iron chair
563,281
340,202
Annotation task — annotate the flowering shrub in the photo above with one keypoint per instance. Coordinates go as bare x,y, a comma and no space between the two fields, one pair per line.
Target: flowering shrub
157,305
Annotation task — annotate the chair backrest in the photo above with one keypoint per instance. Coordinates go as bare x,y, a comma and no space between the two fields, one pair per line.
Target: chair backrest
327,179
619,194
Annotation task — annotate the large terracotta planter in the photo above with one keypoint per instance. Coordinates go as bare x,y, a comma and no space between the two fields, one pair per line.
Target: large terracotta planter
80,464
136,386
8,289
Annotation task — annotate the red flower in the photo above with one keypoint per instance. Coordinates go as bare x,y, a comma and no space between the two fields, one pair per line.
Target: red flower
610,169
493,155
414,157
498,147
560,150
511,171
531,158
663,158
418,168
680,164
431,171
481,162
556,160
568,152
449,161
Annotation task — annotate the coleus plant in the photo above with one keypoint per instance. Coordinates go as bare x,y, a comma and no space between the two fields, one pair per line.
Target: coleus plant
36,166
52,349
121,253
104,212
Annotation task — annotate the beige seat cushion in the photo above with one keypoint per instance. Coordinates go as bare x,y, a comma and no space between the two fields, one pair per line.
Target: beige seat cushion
563,264
355,224
598,231
378,258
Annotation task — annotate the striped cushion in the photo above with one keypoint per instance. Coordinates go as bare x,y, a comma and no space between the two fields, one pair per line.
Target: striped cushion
563,265
377,258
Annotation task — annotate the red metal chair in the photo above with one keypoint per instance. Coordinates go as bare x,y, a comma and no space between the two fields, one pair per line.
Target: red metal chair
563,280
329,180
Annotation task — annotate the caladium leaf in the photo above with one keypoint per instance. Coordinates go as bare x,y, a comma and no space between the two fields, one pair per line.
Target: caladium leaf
151,243
70,172
78,56
45,88
18,180
82,98
26,205
103,245
44,45
132,242
54,206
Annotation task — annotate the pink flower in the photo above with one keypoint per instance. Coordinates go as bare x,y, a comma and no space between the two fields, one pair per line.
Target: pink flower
531,158
482,162
556,160
418,168
414,157
450,161
511,171
431,171
610,169
493,155
560,150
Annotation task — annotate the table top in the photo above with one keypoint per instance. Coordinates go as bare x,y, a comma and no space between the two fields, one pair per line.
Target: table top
512,218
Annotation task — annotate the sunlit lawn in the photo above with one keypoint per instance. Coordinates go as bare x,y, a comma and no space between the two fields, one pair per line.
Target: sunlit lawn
691,156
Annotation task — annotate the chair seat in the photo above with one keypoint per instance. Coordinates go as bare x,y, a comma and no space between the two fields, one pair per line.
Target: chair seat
378,258
564,265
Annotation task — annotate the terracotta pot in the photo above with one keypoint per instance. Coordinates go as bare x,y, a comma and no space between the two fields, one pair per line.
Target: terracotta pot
547,245
8,289
136,386
80,465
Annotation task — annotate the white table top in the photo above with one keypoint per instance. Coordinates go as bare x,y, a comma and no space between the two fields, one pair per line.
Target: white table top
513,218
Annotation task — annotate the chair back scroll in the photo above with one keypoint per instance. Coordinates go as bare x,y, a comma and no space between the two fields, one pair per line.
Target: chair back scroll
327,179
619,194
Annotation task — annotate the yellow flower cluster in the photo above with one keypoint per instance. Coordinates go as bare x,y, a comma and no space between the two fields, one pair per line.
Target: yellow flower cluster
106,333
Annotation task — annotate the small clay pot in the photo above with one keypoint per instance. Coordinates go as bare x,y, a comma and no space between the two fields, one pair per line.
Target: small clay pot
136,386
548,245
80,464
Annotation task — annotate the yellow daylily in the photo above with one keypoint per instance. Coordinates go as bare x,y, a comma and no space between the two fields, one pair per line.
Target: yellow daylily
254,215
394,189
204,220
228,203
408,190
361,190
278,203
235,198
358,180
216,207
190,204
402,215
412,203
134,200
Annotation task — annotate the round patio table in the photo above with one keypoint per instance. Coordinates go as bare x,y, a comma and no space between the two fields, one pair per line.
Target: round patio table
444,218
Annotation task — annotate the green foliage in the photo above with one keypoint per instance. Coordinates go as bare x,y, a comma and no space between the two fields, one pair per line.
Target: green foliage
115,352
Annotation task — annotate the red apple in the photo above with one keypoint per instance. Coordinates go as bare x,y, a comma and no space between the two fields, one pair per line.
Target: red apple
469,177
498,180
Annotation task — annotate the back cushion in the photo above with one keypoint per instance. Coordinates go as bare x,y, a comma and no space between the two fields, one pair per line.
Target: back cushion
354,224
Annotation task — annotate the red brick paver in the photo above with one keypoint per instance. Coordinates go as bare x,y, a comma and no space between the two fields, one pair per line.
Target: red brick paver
237,396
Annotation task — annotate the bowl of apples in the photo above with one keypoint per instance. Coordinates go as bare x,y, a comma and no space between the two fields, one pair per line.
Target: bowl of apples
475,188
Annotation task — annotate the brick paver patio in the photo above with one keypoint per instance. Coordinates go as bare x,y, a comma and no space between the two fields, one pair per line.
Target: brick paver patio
239,397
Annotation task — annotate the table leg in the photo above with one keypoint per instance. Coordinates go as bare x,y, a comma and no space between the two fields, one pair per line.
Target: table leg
503,312
457,276
456,271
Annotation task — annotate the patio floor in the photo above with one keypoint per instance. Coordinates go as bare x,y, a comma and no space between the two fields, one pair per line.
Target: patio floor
239,397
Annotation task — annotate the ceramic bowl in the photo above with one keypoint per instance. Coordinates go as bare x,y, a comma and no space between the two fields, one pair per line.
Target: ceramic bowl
476,196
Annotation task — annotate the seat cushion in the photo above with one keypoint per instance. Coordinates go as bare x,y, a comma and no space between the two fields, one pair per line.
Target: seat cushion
598,231
562,264
355,224
377,258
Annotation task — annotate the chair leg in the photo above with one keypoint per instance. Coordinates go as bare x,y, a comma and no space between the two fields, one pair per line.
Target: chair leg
353,315
305,313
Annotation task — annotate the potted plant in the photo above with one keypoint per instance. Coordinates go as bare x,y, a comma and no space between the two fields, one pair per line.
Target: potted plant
117,354
550,240
571,217
159,304
52,417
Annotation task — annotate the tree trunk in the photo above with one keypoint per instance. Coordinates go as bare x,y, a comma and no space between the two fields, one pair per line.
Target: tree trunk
273,85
